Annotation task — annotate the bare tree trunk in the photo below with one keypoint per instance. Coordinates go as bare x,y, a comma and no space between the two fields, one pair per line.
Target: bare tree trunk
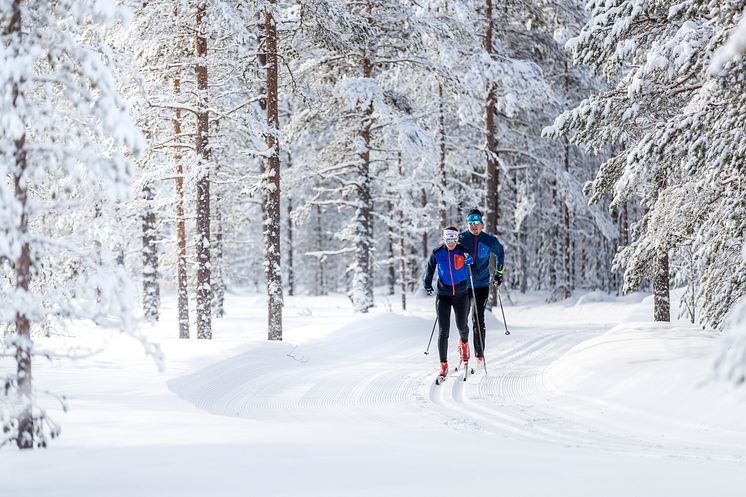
320,247
291,255
392,252
273,251
425,248
204,290
25,438
181,261
402,251
291,272
218,297
661,296
151,289
569,269
442,163
362,287
493,177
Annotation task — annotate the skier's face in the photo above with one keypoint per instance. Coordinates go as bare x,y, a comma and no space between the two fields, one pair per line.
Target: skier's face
450,245
476,229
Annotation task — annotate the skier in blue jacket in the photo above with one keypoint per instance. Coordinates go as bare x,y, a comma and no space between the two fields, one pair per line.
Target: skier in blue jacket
481,244
451,260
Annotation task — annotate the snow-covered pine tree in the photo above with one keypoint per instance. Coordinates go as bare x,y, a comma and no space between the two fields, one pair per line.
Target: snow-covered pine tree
675,123
64,131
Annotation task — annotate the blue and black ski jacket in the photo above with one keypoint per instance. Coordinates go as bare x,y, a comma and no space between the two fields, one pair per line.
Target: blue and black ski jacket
452,273
481,247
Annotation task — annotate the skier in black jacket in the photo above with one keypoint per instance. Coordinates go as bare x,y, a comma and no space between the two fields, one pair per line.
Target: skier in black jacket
451,259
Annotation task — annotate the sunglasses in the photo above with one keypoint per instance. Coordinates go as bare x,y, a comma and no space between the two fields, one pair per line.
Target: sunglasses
473,219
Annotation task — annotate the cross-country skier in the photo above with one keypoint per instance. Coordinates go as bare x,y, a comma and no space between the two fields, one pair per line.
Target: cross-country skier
481,244
451,259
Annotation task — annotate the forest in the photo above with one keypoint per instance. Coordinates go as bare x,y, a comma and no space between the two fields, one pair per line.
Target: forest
183,151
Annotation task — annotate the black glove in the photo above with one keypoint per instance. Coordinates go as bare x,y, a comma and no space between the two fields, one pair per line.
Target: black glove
429,291
498,279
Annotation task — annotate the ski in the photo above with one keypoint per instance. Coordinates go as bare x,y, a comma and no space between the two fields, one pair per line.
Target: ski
466,369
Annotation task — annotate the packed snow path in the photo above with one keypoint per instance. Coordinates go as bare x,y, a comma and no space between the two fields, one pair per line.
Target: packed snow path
584,398
376,372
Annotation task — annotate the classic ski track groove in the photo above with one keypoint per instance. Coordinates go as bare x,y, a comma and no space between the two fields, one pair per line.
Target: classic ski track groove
513,399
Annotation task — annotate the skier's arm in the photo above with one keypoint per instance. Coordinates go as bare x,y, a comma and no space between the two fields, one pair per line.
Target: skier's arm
430,272
499,252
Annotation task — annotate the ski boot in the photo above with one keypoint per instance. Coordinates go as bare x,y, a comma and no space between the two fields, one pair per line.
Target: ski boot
443,373
463,349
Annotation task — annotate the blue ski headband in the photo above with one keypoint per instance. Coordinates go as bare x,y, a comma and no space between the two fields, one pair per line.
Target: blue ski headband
474,219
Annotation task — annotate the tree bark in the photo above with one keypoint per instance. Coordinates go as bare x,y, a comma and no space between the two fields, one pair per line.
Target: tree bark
181,261
25,438
362,287
392,252
402,251
321,289
291,255
204,290
217,262
151,289
442,179
273,251
661,296
493,178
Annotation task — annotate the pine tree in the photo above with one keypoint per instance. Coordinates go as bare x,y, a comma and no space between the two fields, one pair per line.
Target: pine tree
64,132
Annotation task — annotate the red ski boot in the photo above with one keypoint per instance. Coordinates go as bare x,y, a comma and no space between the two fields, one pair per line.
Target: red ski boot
463,348
443,373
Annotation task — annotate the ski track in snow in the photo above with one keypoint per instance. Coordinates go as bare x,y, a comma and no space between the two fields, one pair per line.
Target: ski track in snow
387,381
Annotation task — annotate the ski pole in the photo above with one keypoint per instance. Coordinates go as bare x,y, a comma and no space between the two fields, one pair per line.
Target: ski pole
502,310
427,351
476,318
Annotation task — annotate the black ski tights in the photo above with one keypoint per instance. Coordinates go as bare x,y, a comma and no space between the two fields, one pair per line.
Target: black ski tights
460,304
482,294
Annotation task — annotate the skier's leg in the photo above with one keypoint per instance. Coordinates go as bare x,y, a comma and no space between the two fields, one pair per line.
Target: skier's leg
461,311
444,324
482,295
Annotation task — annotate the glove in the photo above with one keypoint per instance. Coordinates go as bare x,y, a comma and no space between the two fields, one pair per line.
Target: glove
468,260
429,292
499,274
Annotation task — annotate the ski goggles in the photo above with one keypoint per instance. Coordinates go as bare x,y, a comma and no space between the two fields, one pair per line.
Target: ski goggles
474,219
450,236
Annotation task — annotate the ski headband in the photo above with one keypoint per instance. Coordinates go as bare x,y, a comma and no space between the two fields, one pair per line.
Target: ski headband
474,219
450,236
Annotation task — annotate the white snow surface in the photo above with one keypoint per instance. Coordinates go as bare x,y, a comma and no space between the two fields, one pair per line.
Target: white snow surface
586,397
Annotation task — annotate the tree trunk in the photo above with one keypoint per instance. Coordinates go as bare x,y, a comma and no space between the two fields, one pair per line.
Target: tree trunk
442,179
204,290
151,290
291,255
218,297
25,438
425,247
493,177
181,261
321,289
402,251
273,251
362,286
661,296
392,253
291,272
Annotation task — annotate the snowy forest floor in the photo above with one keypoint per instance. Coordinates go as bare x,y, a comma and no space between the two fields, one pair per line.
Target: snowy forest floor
586,397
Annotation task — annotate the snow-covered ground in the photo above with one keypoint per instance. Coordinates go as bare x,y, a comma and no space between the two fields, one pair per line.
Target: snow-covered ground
585,398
